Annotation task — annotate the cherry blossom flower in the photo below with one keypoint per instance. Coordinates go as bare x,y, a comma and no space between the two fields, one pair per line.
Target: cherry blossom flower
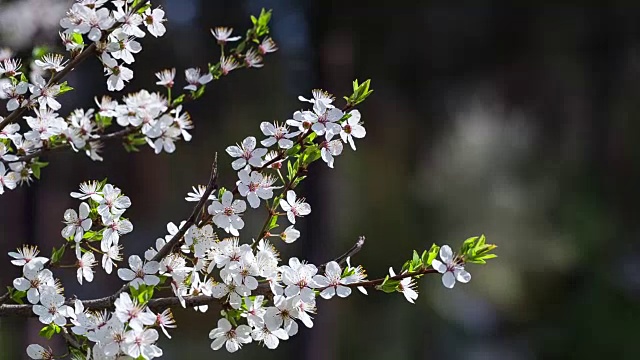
301,120
247,153
352,128
228,253
234,292
26,255
113,202
254,187
166,77
88,190
254,311
122,46
319,96
277,134
35,351
332,282
406,287
114,228
197,194
76,225
52,309
290,234
252,59
7,179
128,310
154,19
299,279
227,64
35,281
282,314
358,275
85,264
231,337
141,343
117,74
140,273
450,270
130,20
225,213
223,35
53,62
15,92
10,67
267,46
194,79
294,207
325,119
165,320
44,93
110,254
271,339
329,149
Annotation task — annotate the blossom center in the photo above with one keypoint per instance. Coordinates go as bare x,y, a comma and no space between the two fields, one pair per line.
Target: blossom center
228,211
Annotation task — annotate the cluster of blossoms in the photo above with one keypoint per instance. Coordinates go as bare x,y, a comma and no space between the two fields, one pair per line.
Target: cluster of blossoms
203,259
112,28
262,299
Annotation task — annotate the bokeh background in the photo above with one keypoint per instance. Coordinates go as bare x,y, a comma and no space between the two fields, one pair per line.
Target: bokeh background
519,122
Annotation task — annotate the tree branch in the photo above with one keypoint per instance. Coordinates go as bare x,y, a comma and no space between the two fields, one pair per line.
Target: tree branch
211,187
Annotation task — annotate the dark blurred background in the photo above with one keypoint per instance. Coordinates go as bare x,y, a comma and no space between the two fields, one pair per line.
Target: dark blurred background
518,122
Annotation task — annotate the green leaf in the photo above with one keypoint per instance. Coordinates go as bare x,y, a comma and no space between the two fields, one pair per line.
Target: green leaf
179,100
16,295
77,38
388,285
273,222
36,166
49,330
56,254
429,256
64,87
39,51
143,293
360,92
103,121
476,250
199,92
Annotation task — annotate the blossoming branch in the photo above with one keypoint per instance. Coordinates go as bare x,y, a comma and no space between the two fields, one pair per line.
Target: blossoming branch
206,262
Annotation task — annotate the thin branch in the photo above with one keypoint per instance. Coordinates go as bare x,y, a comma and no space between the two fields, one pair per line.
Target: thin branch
211,187
342,259
70,339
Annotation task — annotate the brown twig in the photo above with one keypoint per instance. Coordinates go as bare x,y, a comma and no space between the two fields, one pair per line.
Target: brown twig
211,187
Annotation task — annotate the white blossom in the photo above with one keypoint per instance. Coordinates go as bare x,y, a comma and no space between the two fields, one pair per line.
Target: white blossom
85,264
277,133
223,34
247,153
225,213
295,207
227,334
352,129
197,194
76,224
26,255
53,62
406,287
141,343
254,187
450,270
332,282
52,309
140,273
154,19
194,79
35,281
35,351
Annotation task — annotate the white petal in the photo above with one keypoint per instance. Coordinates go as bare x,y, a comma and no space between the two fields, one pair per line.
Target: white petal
448,280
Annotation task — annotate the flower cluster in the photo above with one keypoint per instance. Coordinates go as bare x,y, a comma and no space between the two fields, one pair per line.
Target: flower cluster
205,259
112,27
